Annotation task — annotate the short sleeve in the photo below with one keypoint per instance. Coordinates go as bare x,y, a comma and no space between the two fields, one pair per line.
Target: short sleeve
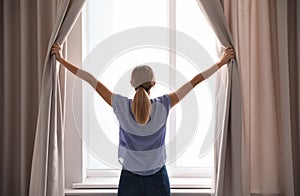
165,100
118,103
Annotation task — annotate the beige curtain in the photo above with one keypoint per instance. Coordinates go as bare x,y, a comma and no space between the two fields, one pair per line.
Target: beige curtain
267,33
26,26
47,174
266,37
30,91
228,171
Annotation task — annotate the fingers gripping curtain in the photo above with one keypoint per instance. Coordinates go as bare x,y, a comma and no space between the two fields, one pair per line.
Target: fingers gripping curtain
47,174
228,179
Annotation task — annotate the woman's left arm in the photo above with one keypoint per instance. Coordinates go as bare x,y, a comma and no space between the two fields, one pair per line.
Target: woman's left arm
102,90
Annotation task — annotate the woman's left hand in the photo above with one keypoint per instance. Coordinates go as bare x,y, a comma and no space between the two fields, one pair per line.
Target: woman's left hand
227,55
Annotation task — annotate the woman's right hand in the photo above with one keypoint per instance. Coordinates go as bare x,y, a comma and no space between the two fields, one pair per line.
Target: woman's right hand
56,49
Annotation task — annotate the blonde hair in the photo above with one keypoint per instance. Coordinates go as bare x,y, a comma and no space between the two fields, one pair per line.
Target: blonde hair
142,79
141,105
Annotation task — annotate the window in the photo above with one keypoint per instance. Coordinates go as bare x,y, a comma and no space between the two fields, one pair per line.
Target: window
111,58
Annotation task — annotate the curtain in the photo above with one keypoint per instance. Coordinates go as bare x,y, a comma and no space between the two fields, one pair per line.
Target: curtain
266,40
26,26
228,171
267,33
47,174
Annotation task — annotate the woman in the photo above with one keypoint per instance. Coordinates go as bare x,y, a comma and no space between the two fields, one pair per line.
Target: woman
142,125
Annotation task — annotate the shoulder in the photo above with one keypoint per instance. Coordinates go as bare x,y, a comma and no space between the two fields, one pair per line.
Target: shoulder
119,101
118,97
164,99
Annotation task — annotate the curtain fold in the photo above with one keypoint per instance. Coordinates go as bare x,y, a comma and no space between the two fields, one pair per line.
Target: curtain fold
262,153
26,28
228,177
268,48
47,173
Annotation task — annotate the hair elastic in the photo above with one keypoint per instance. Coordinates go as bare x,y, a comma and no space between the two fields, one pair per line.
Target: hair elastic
141,86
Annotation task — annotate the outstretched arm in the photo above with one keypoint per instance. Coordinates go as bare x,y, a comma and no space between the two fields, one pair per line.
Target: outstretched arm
104,92
179,94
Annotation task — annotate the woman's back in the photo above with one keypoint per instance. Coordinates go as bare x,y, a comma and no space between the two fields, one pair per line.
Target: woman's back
142,147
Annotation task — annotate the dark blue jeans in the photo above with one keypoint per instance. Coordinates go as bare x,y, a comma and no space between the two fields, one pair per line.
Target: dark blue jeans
136,185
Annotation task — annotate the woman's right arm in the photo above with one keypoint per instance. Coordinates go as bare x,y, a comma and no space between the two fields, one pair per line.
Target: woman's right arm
102,90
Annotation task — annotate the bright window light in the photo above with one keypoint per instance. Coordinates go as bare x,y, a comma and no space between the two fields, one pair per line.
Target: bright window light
104,18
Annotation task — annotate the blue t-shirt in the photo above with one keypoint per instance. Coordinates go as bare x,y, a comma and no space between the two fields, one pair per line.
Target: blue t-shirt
142,147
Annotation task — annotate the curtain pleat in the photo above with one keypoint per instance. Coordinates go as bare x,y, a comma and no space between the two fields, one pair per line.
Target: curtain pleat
228,179
47,174
266,37
19,92
267,33
10,154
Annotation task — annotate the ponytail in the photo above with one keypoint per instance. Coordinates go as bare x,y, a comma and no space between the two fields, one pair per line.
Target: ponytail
140,105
